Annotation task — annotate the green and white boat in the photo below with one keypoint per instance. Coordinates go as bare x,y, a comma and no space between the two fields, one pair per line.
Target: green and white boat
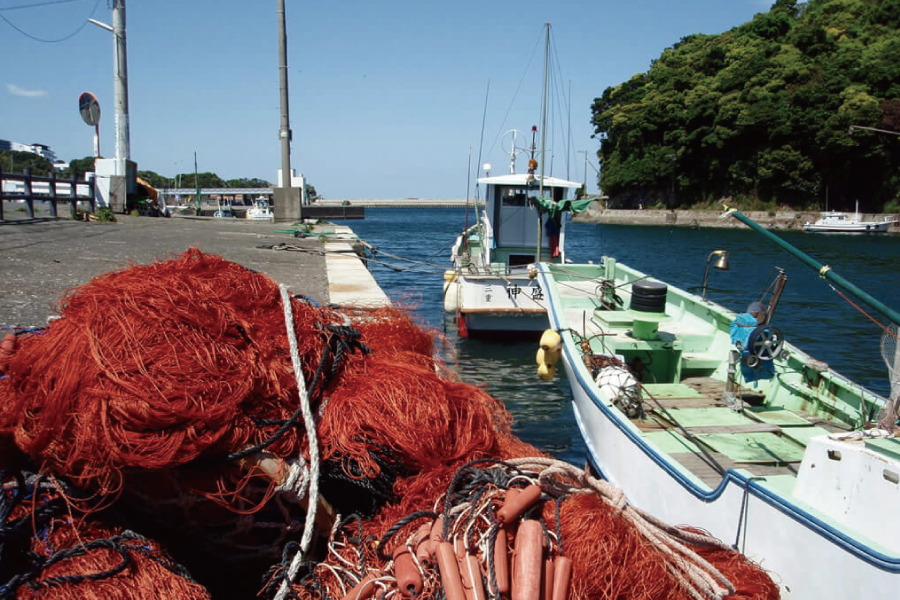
709,417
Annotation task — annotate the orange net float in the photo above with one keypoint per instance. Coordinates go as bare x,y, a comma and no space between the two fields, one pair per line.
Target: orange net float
572,544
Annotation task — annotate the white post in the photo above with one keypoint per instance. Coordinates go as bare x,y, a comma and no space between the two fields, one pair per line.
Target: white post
120,99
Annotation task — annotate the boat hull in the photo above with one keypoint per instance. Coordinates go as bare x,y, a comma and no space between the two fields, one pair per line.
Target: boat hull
873,227
802,542
491,304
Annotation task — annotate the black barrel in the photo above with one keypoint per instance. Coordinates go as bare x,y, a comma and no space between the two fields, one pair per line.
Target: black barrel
648,296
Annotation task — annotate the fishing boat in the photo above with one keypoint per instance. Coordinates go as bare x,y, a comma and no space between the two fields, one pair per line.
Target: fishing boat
841,222
492,287
707,416
260,211
224,211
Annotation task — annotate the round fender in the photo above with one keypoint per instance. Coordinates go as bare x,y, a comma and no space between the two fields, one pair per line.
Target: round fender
546,372
550,340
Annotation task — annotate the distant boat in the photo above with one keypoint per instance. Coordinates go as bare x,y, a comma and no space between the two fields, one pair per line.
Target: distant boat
225,211
841,222
260,211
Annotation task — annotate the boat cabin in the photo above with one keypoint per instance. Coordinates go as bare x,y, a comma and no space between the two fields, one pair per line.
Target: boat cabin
510,219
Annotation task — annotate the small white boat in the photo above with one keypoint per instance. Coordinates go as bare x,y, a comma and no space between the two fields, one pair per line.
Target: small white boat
708,417
841,222
260,211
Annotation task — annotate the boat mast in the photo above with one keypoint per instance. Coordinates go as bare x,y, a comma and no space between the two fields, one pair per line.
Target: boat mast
543,136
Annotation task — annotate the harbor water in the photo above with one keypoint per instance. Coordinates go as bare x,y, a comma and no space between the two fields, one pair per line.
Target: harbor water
811,314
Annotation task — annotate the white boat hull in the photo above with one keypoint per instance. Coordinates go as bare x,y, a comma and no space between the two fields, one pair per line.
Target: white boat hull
804,553
865,227
509,303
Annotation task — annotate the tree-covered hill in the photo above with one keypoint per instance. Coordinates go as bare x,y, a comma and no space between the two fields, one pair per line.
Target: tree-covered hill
762,113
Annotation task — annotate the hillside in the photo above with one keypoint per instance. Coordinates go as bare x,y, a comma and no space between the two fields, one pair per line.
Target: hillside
762,112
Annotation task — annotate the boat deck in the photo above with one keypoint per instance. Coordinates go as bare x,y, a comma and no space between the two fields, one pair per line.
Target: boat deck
705,435
690,419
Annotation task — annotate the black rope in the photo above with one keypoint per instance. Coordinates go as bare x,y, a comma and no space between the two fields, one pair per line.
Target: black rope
464,470
339,340
382,543
559,541
489,556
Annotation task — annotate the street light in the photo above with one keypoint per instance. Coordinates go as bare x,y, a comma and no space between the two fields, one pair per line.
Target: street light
854,127
721,264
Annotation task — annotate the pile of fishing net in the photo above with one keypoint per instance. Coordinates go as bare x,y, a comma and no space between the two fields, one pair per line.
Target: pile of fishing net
48,548
526,528
202,403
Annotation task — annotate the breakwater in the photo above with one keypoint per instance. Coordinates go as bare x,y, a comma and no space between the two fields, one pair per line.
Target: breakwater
780,220
399,202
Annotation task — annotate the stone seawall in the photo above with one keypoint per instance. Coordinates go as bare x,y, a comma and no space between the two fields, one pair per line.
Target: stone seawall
708,218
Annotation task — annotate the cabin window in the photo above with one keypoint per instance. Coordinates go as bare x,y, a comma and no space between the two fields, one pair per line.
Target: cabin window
516,260
514,198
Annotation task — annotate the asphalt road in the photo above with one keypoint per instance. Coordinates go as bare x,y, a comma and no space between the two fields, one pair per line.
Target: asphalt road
41,258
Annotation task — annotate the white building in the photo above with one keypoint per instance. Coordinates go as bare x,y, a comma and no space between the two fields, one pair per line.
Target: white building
39,149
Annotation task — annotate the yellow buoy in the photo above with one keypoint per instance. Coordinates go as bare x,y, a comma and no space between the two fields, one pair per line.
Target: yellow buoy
547,357
547,372
550,340
450,275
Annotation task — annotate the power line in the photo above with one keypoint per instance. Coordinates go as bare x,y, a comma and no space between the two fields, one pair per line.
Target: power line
6,8
37,39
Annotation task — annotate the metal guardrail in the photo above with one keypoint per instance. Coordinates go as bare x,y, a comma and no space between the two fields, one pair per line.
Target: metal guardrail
28,188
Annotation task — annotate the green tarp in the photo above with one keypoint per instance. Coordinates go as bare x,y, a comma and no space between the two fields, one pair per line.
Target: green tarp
546,205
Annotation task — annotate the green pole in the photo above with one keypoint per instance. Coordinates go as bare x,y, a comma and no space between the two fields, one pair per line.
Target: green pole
823,270
196,183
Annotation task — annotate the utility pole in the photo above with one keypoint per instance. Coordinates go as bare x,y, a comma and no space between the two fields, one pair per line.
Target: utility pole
285,199
120,99
113,175
197,184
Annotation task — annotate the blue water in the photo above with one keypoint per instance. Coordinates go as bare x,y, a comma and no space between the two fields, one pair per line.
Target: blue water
810,314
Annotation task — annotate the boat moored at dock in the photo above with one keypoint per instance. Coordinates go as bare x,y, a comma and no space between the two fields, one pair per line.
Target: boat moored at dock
707,416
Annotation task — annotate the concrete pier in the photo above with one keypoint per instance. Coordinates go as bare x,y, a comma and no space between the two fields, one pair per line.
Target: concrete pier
42,258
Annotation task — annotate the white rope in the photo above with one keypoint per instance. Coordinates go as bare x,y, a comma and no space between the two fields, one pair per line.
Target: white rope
701,579
310,425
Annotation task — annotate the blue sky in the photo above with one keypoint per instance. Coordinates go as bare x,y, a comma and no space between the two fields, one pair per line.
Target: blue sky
387,97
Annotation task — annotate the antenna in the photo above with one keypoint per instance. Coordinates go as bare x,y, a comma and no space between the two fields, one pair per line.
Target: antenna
513,134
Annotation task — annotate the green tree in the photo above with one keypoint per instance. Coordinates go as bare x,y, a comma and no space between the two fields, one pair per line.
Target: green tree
14,161
762,112
79,166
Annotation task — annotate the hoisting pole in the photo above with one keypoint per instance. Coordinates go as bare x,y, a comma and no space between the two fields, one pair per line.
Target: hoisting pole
824,270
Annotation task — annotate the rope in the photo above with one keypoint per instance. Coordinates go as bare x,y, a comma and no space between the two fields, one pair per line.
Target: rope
862,310
312,504
698,576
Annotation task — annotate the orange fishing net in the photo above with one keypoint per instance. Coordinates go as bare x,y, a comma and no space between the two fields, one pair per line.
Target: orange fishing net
166,387
50,550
